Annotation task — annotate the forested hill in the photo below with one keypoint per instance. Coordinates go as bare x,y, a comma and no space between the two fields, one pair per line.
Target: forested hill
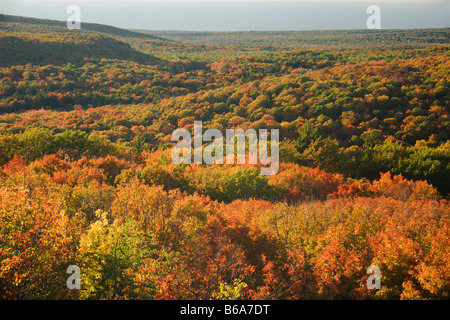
17,23
60,48
42,41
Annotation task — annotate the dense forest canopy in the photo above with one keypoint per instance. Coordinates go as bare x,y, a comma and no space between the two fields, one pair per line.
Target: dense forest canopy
86,118
336,39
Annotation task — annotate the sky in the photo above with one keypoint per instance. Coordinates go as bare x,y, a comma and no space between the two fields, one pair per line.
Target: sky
237,15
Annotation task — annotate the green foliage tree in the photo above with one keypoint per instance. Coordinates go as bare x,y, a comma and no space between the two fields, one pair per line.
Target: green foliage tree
72,142
307,134
36,142
245,184
109,256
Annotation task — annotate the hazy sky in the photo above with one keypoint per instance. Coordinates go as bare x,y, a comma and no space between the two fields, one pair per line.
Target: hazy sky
231,15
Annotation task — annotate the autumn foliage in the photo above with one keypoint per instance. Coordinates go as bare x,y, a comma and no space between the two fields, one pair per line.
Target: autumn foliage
86,176
134,239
